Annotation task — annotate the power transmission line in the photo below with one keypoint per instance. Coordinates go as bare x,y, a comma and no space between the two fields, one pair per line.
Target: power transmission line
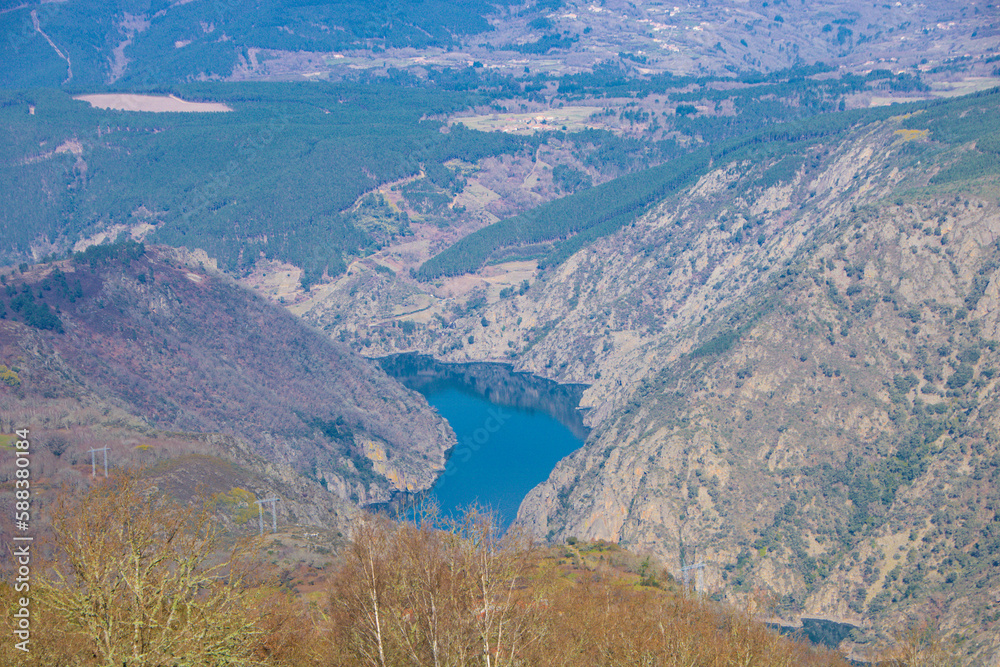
698,568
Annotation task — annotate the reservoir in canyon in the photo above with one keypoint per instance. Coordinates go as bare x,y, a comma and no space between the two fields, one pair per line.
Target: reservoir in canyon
512,428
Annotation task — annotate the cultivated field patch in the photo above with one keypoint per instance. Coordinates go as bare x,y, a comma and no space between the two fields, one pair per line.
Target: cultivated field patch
157,103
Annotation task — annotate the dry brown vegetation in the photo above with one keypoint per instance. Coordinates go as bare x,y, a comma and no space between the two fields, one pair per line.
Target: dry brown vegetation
132,578
140,582
136,580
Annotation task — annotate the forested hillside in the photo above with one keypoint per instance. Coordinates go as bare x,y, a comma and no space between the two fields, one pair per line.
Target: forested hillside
554,231
103,42
274,178
160,42
74,172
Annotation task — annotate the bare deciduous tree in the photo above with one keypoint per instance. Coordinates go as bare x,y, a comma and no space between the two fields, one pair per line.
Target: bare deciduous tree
417,595
496,564
143,581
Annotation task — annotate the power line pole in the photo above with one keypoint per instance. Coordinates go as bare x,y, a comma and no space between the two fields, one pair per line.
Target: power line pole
274,516
699,570
699,576
93,463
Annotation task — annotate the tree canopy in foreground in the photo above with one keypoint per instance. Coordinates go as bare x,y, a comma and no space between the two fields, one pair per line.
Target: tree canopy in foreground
135,579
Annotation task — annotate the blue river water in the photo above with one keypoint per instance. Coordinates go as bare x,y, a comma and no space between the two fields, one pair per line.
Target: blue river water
503,452
512,429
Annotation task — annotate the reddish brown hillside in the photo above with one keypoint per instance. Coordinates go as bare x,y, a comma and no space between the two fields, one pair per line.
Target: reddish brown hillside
192,351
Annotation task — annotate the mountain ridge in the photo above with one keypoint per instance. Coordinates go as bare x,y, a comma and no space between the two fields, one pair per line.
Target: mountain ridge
191,351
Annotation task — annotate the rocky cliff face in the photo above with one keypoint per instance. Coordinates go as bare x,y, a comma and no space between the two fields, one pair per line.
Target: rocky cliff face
813,408
792,371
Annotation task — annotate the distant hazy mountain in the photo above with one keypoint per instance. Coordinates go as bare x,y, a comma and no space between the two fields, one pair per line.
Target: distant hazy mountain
158,42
